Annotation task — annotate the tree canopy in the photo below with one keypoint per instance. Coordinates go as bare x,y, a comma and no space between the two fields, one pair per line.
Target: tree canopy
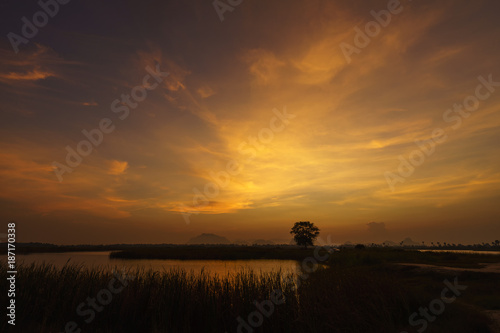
304,233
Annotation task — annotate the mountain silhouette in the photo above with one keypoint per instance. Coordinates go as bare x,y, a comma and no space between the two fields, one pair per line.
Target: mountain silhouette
209,239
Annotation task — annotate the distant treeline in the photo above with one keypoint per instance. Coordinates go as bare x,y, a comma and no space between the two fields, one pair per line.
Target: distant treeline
493,246
211,250
24,248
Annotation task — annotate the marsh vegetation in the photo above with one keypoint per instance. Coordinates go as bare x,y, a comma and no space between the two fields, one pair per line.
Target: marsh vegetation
356,291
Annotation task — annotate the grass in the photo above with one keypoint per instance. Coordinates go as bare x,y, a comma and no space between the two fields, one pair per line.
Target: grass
358,291
173,301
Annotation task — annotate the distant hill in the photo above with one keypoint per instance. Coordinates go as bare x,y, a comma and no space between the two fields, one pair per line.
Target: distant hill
242,242
262,242
281,241
209,239
409,242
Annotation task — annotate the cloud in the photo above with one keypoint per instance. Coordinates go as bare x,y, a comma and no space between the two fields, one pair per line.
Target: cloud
33,66
34,75
205,92
376,228
353,120
264,65
117,167
377,232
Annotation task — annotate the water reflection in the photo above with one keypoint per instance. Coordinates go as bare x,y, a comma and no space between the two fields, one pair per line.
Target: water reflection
102,261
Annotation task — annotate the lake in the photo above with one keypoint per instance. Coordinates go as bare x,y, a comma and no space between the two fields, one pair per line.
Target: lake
102,260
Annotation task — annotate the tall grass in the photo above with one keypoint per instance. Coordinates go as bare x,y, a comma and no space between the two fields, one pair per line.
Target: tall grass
168,301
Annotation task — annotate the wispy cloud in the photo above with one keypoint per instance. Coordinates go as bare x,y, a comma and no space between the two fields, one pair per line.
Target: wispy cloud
353,120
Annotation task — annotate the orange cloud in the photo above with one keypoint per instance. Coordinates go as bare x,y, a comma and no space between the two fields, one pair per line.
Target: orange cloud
30,76
264,65
205,92
117,167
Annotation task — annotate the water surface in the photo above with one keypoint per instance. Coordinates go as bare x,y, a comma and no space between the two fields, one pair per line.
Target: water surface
103,261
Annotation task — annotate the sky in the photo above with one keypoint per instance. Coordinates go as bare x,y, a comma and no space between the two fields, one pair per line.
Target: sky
155,121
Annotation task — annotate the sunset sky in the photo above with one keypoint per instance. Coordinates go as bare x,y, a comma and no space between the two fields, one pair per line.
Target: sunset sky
267,95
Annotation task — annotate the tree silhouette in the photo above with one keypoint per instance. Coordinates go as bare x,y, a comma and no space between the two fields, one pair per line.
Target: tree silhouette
304,233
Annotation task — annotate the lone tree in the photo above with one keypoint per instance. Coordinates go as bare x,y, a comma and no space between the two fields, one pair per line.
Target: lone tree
304,233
